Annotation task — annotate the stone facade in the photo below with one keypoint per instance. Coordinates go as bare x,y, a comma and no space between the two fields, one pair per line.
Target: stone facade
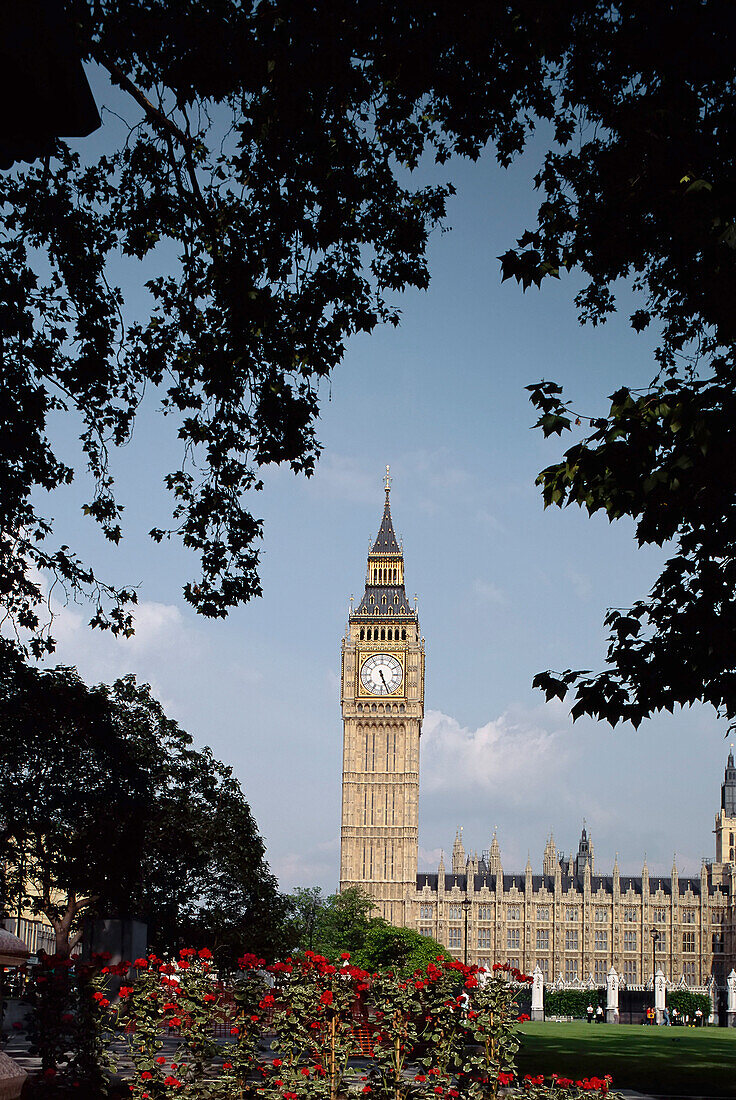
569,921
382,709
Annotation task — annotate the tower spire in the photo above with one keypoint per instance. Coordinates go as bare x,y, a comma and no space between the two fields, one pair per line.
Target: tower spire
385,595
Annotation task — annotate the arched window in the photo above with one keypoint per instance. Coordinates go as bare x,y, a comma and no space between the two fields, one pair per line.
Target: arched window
383,599
371,599
383,634
396,599
403,635
362,633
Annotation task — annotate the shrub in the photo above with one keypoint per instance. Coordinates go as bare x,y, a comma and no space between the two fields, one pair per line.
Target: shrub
688,1003
573,1002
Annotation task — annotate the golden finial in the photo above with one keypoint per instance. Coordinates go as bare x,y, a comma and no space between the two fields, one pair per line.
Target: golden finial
388,480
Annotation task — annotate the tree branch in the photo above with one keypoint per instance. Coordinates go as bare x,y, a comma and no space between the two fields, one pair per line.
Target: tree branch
156,117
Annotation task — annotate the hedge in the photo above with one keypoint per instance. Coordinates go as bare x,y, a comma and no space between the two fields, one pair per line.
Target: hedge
574,1002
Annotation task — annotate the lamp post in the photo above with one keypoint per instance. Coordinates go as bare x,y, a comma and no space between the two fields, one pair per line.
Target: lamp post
466,903
655,941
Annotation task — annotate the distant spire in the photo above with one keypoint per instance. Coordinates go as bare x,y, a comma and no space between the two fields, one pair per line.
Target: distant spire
458,853
549,860
494,857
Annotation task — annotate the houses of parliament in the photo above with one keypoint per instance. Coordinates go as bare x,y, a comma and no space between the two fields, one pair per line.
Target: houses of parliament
570,920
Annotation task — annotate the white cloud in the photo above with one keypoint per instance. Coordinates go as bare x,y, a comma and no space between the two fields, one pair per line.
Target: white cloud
490,592
303,868
346,478
511,757
429,858
580,583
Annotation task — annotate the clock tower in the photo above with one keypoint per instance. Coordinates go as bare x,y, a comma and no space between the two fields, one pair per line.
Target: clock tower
382,710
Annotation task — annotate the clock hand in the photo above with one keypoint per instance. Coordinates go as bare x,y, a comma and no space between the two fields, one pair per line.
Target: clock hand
380,673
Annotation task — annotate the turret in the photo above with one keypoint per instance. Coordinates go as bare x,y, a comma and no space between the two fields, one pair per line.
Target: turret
585,854
458,853
725,829
494,857
549,860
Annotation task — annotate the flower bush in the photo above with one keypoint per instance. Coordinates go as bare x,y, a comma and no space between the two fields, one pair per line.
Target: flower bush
315,1025
447,1031
70,1024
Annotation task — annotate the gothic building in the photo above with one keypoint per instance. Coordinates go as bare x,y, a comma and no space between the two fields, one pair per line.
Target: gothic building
571,921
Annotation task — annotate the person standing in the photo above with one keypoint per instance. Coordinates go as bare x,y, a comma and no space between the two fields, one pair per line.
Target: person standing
590,1013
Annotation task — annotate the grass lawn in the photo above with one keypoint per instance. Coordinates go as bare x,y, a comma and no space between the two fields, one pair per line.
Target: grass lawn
668,1061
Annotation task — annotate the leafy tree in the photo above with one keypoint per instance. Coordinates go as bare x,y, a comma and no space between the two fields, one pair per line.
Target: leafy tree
329,926
303,905
647,194
106,807
270,150
267,154
403,950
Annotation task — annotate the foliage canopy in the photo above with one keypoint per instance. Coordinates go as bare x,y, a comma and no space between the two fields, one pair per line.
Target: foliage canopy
107,807
270,150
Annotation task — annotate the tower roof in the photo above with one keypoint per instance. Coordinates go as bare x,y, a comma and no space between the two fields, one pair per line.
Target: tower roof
386,541
385,596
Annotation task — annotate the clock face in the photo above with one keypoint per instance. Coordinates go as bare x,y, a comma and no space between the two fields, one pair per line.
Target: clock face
381,674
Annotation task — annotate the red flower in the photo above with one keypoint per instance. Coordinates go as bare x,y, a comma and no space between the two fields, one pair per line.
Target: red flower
227,1065
233,1031
326,998
187,952
277,1062
141,964
174,1022
205,953
125,991
345,955
160,1061
209,997
505,1078
146,1075
173,1083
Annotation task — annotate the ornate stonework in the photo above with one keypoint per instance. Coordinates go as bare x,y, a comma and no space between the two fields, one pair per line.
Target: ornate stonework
382,709
569,921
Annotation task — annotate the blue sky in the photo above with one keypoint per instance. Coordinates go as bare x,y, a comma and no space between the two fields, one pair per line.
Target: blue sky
505,589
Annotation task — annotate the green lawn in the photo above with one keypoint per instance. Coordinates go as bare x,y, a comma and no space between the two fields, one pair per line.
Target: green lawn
667,1061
